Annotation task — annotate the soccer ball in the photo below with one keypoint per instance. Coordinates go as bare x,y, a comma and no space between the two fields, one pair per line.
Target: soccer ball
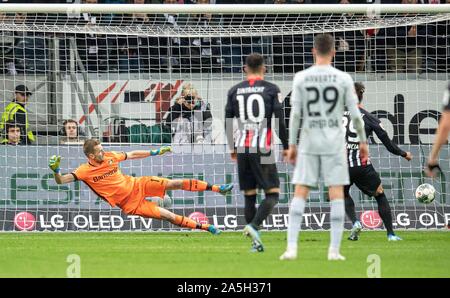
425,193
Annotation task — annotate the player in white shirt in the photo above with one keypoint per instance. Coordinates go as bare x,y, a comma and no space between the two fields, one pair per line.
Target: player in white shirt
320,93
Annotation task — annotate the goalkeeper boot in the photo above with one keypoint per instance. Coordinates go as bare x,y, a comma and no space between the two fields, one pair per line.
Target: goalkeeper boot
225,188
213,230
393,237
250,231
356,230
334,255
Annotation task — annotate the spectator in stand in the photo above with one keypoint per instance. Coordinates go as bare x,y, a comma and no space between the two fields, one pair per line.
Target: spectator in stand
71,133
291,53
12,133
405,46
204,52
350,47
92,48
134,51
15,112
190,118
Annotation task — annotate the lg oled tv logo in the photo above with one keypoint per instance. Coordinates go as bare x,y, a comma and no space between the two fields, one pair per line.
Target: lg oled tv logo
371,219
24,221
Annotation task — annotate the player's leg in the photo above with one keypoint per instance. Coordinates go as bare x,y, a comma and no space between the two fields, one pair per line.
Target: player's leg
336,175
249,205
265,173
296,211
263,211
248,184
351,213
306,175
198,185
150,210
186,222
337,218
355,174
370,184
385,213
349,205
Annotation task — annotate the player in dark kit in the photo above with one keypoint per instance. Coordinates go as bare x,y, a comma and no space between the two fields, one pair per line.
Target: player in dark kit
363,174
253,102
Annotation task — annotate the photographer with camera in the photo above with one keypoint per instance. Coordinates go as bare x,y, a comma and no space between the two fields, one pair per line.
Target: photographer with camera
190,118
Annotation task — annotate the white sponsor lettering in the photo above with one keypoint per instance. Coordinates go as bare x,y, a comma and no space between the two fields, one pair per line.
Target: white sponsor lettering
230,221
321,221
436,220
56,221
80,222
119,223
278,221
403,219
428,221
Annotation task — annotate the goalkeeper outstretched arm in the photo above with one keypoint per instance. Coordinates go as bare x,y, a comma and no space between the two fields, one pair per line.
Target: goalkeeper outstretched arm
54,166
137,154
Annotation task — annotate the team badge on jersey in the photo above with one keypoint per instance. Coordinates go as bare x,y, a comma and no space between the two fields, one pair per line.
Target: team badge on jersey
110,162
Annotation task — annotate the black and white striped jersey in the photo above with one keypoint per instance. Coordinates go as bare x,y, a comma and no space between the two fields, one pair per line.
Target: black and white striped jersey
371,124
254,102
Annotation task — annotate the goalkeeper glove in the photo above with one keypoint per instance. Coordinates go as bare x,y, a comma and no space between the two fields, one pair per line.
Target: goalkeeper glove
54,164
161,150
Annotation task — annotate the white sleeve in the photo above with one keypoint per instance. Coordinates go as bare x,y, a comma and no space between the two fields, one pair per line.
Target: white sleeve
294,117
351,102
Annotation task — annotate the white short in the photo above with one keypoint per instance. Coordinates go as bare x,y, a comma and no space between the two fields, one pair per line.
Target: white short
334,169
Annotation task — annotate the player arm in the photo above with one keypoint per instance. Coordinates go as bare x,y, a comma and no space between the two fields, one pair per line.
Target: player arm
281,127
138,154
63,179
384,138
441,136
229,116
54,165
295,116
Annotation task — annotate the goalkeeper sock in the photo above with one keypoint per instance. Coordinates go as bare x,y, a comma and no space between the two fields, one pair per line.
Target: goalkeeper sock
265,208
350,209
186,222
337,216
295,221
196,185
385,212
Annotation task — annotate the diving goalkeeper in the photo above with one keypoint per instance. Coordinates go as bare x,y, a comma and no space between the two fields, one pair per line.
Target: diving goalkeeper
102,174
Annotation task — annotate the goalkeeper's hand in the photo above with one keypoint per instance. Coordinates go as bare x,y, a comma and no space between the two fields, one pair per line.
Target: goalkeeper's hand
54,164
161,151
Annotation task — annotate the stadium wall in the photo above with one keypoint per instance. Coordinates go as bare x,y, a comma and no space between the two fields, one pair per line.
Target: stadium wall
407,108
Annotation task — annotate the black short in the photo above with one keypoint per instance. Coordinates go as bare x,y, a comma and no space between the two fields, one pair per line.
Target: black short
365,178
253,174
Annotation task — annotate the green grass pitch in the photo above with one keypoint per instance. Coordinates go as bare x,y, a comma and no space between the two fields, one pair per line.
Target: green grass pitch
199,254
